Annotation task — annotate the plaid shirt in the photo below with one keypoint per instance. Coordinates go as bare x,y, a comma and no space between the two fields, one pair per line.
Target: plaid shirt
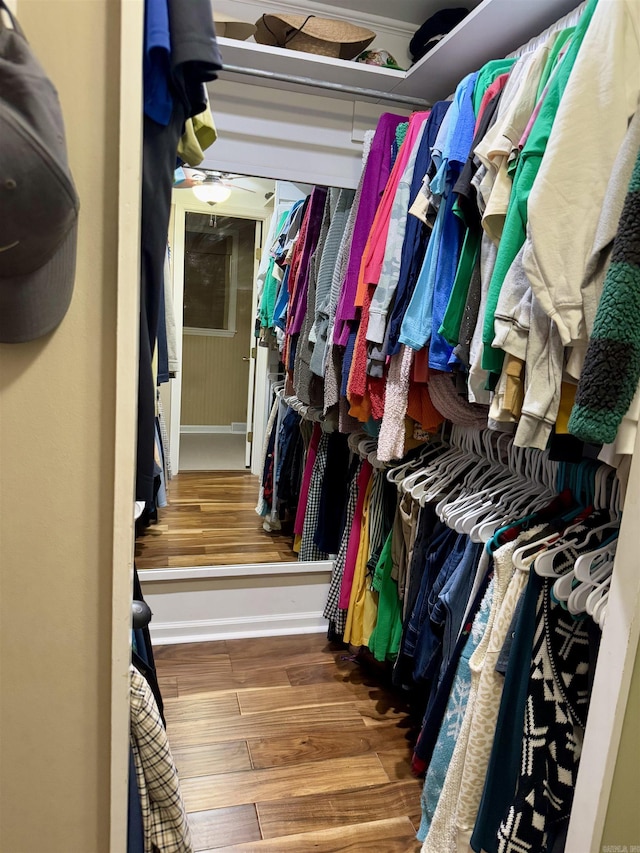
164,818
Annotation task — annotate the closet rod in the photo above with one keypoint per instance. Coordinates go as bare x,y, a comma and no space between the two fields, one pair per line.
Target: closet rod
325,84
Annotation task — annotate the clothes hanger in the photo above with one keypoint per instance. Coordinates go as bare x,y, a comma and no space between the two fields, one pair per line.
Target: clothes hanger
353,439
544,563
400,472
430,471
589,571
564,478
476,484
600,608
422,464
601,579
515,503
566,586
425,493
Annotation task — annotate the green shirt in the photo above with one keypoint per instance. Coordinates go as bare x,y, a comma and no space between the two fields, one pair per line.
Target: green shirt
385,638
270,289
450,328
486,76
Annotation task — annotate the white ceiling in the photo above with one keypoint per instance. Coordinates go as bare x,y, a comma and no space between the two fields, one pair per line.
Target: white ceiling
414,12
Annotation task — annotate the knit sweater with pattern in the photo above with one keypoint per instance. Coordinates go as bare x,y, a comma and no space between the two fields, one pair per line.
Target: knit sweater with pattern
612,365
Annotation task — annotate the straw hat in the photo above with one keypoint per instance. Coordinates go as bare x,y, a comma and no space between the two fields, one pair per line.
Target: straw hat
233,28
322,36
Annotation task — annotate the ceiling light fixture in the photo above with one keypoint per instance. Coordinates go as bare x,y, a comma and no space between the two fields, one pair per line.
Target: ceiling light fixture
212,192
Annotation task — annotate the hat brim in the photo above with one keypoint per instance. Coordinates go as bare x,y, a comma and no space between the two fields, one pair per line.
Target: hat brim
33,305
314,35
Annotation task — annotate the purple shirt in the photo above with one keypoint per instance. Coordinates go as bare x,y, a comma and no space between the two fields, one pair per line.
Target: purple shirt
376,175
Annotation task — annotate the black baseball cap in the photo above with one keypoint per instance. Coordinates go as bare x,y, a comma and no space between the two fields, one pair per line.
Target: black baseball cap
38,201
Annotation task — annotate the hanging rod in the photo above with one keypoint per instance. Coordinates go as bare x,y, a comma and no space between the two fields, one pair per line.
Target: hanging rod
325,84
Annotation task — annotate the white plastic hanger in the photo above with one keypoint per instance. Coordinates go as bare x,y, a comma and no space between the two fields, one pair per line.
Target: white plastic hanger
600,579
599,613
544,564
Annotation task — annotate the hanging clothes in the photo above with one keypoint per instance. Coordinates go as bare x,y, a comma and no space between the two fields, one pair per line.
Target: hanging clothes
164,818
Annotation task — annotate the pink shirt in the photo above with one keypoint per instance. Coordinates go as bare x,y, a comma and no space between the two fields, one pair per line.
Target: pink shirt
372,262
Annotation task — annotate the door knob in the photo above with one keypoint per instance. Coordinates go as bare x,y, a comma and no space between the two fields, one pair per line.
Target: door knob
246,358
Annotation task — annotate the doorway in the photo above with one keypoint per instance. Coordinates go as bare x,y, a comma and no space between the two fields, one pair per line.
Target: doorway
219,259
215,255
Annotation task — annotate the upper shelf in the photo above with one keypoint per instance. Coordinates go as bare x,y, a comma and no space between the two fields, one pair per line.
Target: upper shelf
492,30
277,60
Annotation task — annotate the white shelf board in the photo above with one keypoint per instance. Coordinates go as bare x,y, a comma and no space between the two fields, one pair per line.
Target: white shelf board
492,30
277,60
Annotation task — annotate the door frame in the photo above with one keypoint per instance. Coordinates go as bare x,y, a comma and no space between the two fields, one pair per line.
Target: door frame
184,202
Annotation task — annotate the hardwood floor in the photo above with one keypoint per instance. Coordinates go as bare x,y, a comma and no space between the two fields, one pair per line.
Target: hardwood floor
288,745
211,521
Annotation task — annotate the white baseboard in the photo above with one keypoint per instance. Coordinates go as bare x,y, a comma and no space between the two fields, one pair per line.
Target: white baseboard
277,625
207,429
196,604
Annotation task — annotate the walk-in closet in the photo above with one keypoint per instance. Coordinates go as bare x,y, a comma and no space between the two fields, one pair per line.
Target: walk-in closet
319,333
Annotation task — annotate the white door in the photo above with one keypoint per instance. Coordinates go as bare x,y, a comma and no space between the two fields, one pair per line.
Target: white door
253,344
186,204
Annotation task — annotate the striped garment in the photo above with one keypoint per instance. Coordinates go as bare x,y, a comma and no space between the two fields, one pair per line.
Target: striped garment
612,366
332,610
309,551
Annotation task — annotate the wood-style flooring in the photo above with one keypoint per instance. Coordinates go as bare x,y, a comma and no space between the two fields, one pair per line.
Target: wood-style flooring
211,521
287,745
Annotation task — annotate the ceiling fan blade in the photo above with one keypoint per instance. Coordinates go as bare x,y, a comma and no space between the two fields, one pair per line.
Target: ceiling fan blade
237,187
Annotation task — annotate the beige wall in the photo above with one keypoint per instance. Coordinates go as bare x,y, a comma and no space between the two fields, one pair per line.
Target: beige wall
622,825
57,436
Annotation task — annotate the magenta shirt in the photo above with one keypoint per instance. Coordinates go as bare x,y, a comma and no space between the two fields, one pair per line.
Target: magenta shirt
376,175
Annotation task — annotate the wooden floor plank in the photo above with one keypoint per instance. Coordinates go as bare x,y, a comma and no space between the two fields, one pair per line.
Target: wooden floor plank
318,777
380,712
289,736
320,745
168,686
256,649
397,762
209,759
337,809
211,520
337,669
211,829
395,835
204,682
290,698
180,653
329,717
196,708
209,668
312,650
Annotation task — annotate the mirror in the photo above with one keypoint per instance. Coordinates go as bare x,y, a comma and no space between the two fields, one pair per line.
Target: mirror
215,403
